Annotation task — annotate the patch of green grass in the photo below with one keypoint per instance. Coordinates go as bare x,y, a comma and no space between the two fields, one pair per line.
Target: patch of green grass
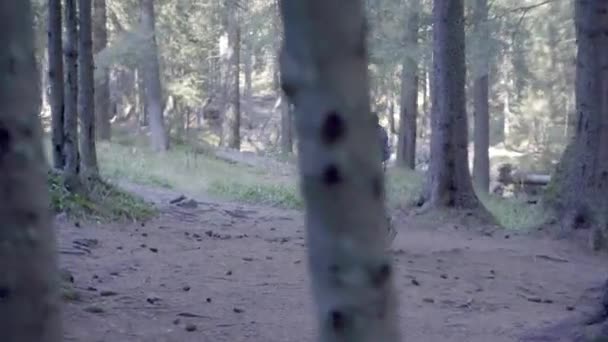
196,171
190,170
514,213
101,201
403,187
281,195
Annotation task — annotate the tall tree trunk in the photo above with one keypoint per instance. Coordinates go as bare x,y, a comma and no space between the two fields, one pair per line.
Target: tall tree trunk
55,48
481,161
72,156
324,73
286,125
391,114
142,108
159,139
44,81
248,66
29,304
102,85
580,189
449,176
277,37
424,118
406,148
232,112
86,90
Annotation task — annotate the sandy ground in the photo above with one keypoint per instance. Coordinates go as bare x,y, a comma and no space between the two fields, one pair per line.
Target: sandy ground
223,271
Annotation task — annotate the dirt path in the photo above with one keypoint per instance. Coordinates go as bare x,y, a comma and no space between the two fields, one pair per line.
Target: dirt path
236,273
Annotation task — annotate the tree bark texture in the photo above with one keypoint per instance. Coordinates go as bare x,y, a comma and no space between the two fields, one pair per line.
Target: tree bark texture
29,296
481,158
391,115
72,156
324,73
159,139
449,176
55,51
232,109
44,79
86,90
286,125
406,148
248,73
277,33
102,86
579,190
142,109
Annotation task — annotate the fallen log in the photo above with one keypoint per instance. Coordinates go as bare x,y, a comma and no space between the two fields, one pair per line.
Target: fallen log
507,176
531,179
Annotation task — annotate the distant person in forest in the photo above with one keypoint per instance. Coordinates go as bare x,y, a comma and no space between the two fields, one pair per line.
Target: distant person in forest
386,154
384,143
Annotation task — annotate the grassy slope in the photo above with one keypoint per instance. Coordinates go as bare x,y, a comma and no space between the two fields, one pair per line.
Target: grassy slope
193,172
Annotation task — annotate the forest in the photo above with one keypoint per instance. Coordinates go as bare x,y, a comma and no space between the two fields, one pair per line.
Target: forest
304,170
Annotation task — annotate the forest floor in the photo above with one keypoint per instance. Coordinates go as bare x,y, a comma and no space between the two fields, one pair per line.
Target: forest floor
216,270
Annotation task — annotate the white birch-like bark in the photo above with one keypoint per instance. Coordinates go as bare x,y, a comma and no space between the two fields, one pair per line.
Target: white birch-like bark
324,73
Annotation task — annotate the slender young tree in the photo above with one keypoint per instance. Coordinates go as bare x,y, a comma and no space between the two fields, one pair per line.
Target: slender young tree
324,72
102,85
29,300
481,70
248,73
159,139
86,92
286,127
142,108
287,123
449,179
406,148
232,109
277,37
55,48
72,158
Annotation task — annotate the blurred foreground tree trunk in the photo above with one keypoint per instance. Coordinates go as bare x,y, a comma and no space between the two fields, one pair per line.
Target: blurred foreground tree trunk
406,148
55,51
86,92
324,73
102,84
481,158
159,138
29,299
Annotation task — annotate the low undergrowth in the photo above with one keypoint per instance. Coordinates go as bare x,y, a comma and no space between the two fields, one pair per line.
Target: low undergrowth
190,170
98,200
514,213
